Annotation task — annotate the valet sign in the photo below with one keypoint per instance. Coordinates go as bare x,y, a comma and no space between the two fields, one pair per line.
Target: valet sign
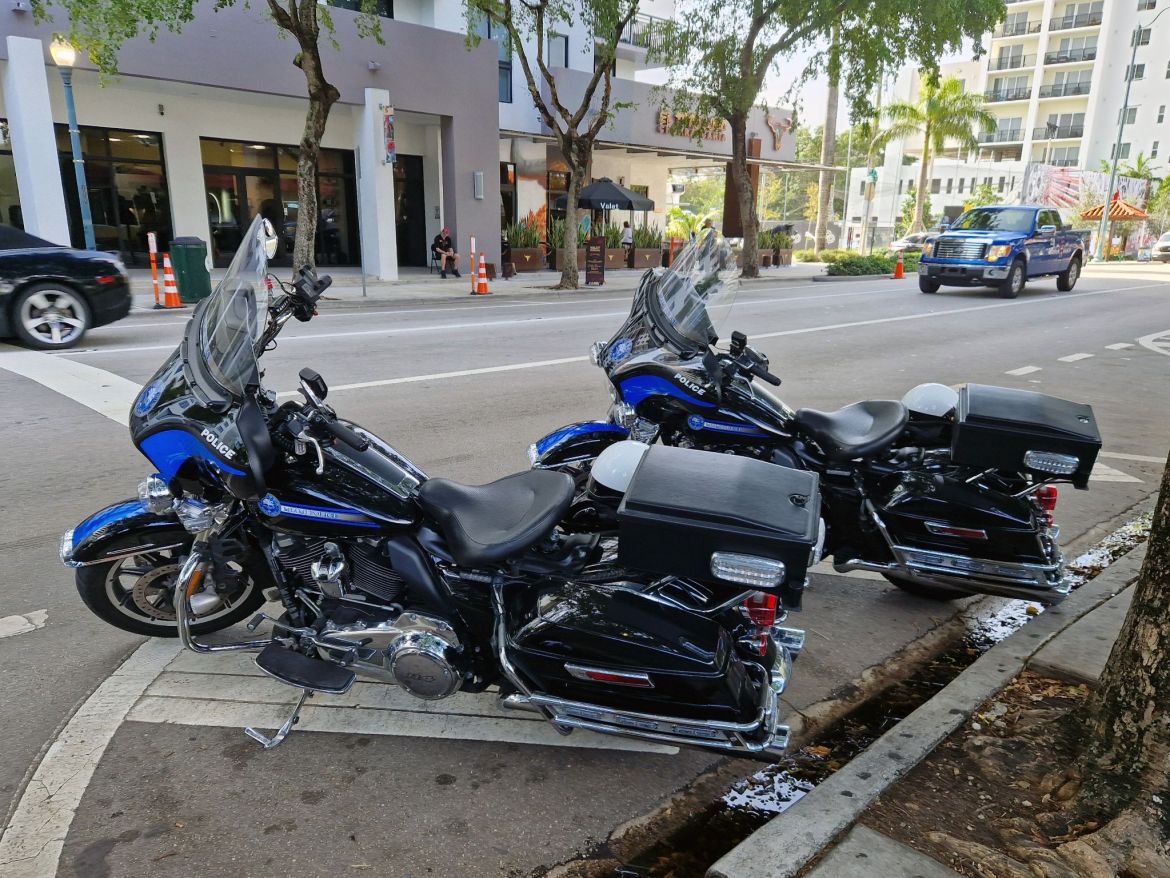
608,205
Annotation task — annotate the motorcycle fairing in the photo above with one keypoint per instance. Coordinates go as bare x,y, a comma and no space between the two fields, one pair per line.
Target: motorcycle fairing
583,440
112,531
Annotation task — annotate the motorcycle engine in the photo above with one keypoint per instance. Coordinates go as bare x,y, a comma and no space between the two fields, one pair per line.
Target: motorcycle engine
418,651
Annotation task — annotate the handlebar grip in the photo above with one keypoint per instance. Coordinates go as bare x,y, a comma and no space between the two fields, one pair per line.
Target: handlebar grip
324,283
345,434
764,374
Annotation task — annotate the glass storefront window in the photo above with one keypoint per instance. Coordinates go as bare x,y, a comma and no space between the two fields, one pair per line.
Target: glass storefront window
231,154
9,197
136,146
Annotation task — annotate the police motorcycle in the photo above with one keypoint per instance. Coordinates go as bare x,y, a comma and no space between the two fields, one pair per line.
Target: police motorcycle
384,574
944,493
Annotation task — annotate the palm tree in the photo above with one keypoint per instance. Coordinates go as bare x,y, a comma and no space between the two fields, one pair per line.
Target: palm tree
943,112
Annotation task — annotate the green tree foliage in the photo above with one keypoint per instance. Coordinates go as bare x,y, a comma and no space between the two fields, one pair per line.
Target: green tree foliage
981,195
910,204
528,23
721,51
812,198
704,195
943,113
101,27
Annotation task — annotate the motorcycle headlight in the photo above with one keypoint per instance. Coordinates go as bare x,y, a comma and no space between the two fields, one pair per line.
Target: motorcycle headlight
998,252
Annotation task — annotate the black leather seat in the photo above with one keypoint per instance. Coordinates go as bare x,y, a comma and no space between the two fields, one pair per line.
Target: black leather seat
856,430
485,524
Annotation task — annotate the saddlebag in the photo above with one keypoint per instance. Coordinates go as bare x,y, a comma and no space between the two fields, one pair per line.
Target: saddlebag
683,506
615,647
1022,431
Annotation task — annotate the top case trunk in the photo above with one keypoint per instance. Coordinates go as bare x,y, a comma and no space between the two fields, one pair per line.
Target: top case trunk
996,426
682,505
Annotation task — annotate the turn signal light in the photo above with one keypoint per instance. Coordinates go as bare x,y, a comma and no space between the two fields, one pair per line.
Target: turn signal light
1045,499
761,609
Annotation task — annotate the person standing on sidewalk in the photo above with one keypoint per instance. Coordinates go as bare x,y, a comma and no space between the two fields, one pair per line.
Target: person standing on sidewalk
444,250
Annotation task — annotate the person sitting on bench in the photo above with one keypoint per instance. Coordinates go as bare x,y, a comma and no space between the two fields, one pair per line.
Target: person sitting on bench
444,251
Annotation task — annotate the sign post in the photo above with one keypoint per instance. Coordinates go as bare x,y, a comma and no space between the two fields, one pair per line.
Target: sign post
595,261
152,246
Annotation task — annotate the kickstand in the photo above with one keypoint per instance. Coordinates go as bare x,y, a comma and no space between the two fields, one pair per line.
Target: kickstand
283,731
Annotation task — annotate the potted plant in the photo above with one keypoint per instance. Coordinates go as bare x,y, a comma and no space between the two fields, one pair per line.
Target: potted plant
647,252
556,241
524,242
782,248
615,256
765,249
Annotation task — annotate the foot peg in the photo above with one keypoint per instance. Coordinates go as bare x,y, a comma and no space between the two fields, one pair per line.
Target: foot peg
791,639
305,673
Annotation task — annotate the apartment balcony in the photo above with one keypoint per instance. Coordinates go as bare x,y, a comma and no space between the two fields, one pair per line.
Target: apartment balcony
644,32
1011,135
1007,94
1019,29
1064,89
1021,2
1068,22
1058,132
1063,163
1012,62
1071,56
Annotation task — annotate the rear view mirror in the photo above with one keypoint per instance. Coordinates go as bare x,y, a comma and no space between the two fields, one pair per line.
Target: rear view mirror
1048,230
313,386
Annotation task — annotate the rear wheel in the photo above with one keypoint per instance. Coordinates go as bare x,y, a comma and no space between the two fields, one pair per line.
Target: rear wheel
928,284
1067,279
137,594
50,316
930,592
1013,284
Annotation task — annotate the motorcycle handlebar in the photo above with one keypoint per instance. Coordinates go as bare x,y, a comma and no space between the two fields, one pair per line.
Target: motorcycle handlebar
762,373
345,434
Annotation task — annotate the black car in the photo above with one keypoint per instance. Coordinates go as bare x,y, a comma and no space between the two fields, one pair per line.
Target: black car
50,295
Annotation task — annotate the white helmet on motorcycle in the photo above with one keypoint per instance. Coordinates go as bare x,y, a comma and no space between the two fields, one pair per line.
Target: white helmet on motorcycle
933,400
614,467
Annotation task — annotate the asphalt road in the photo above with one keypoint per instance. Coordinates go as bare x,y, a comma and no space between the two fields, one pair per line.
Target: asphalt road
462,388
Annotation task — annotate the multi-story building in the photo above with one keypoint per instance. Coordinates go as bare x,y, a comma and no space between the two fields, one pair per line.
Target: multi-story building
1053,75
198,133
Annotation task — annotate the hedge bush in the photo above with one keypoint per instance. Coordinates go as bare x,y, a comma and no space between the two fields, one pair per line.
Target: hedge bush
855,265
804,255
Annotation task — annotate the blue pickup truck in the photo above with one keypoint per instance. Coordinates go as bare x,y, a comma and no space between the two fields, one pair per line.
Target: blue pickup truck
1002,246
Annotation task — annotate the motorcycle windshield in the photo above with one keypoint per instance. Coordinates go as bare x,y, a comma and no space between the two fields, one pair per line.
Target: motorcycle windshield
235,316
694,295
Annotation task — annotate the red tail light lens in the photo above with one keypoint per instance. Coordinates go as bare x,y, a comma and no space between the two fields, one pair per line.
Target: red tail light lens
1045,499
761,609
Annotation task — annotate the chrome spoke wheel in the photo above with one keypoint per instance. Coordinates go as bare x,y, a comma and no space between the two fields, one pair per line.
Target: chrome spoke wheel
142,587
53,317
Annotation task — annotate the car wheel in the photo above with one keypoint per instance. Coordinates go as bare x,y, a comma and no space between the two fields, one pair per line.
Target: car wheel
50,316
1067,279
928,284
1014,283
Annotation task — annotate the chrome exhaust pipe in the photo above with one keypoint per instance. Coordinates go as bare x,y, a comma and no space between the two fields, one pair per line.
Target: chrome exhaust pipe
969,582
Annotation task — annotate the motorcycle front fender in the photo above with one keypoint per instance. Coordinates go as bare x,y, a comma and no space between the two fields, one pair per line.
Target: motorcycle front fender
574,443
128,528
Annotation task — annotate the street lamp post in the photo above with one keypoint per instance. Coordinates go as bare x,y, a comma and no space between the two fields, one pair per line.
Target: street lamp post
64,56
1103,230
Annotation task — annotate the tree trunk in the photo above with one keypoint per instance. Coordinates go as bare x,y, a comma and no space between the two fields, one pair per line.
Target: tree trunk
577,157
1128,756
322,97
747,196
828,150
917,223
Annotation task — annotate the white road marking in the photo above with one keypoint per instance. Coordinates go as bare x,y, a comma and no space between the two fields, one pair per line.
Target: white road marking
1159,342
1103,473
1023,370
1072,358
1119,346
104,392
31,844
10,626
461,373
1145,458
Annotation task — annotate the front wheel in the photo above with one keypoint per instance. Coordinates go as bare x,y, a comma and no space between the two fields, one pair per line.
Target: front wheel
1013,284
1067,279
137,594
928,284
930,592
50,316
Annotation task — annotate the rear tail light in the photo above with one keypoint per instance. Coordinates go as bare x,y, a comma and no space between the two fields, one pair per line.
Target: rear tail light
761,609
108,279
1045,499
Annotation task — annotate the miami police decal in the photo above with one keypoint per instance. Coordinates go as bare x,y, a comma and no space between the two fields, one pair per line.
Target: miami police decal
620,350
148,398
272,507
269,505
697,422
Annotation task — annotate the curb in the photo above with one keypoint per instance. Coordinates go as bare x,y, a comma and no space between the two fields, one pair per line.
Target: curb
841,278
784,846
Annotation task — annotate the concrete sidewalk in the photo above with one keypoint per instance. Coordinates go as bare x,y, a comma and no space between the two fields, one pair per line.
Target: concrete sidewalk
1071,640
416,285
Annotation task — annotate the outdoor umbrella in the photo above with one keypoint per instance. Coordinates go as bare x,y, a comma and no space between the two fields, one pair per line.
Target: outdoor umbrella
1119,211
605,194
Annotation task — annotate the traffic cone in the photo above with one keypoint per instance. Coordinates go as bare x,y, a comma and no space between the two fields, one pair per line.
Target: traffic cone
170,288
899,267
482,289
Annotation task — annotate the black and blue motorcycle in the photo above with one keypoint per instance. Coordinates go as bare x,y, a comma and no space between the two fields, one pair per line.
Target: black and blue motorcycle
371,569
944,493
